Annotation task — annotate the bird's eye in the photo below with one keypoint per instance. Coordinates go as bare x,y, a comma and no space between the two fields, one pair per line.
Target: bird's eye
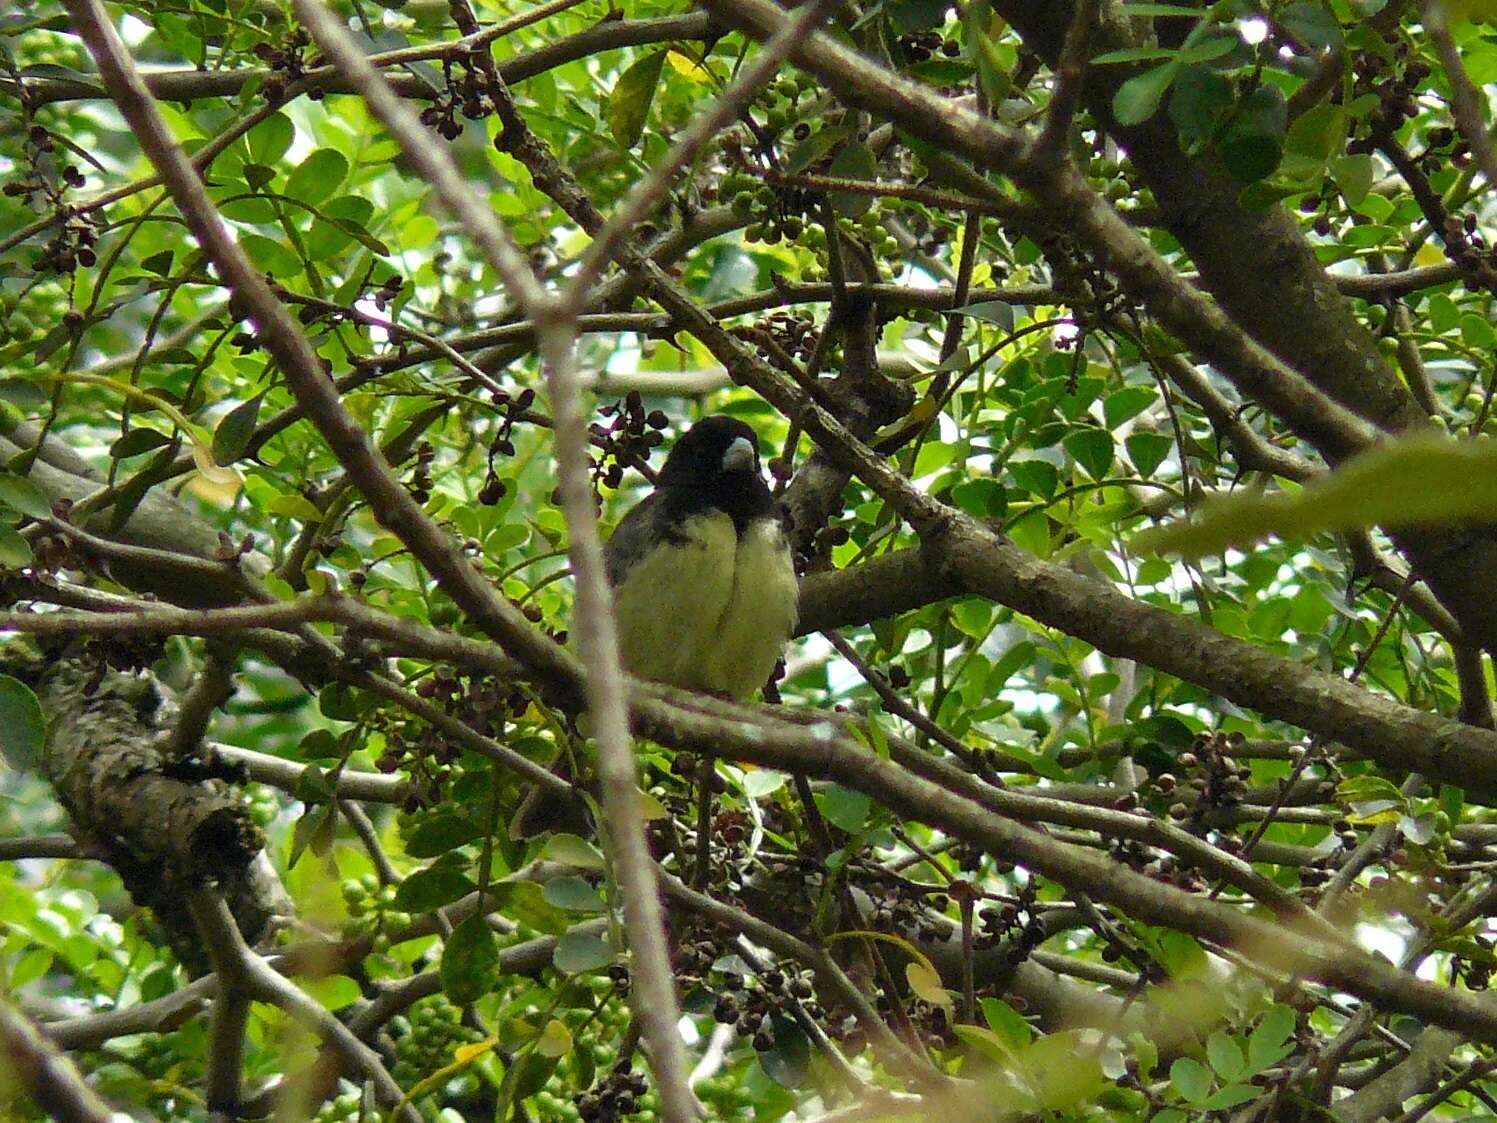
740,456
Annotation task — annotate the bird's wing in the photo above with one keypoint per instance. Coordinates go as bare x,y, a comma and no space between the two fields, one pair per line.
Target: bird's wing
632,537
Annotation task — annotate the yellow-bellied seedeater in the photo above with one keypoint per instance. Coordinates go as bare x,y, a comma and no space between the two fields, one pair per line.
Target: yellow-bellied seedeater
704,585
703,582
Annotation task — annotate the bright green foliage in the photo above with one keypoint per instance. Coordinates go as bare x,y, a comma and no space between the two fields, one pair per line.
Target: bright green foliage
1031,374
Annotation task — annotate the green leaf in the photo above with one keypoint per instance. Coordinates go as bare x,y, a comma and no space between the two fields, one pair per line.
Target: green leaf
30,967
525,903
578,951
1127,403
1208,49
555,1040
432,888
1313,23
15,551
21,495
985,499
1364,789
134,489
270,256
815,146
469,960
339,702
1038,477
314,785
844,808
1191,1079
318,176
1318,133
315,830
319,744
1134,54
855,161
137,441
332,992
1147,451
1016,657
1092,449
531,1074
1353,174
629,104
992,69
919,15
437,834
1141,9
1138,98
571,850
1412,481
159,263
1007,1023
762,782
1061,1072
268,141
235,429
257,176
1146,1053
573,894
925,984
1200,101
294,507
23,727
1225,1055
991,311
986,1042
1477,332
1252,144
788,1061
1231,1096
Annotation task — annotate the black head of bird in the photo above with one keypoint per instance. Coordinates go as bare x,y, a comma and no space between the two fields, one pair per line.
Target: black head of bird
704,585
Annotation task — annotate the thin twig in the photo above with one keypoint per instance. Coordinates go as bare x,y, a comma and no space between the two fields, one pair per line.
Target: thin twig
1070,72
1465,99
45,1074
650,190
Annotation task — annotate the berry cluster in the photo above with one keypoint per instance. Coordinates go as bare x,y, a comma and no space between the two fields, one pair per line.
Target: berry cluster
287,64
513,408
423,752
1396,94
1215,781
43,185
372,906
1476,966
419,485
344,1106
921,46
466,94
773,214
618,1096
1465,246
387,292
795,332
628,439
752,1007
1018,923
434,1029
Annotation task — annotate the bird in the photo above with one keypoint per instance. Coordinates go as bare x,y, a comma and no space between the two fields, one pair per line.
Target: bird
704,586
703,581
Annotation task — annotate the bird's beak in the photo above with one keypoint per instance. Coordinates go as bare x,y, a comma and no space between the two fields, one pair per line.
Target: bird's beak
740,456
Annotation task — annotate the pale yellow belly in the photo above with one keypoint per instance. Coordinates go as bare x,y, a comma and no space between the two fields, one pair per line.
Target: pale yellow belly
711,613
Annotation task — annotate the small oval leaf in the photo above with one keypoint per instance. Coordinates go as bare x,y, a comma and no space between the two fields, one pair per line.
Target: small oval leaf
23,726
